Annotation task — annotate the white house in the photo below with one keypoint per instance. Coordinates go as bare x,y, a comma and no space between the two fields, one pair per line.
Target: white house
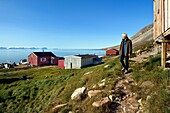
79,61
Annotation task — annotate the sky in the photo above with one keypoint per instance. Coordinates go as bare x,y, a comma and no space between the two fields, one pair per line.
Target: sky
71,24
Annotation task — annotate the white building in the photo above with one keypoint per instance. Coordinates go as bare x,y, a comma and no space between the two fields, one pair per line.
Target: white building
79,61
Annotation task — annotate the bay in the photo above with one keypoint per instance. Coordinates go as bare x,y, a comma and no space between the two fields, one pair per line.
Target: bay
15,55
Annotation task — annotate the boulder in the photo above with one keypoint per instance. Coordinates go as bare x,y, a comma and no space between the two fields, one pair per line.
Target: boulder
102,102
78,93
92,93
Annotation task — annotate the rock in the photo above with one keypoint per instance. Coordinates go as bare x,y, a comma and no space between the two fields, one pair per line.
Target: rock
92,93
117,99
104,101
134,106
138,52
140,102
77,94
88,73
140,111
112,98
104,80
59,107
106,66
102,84
95,86
147,84
148,98
112,91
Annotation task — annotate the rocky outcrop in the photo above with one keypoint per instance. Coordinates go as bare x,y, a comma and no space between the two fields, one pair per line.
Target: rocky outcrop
145,34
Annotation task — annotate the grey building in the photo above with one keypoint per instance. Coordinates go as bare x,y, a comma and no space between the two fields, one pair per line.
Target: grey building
79,61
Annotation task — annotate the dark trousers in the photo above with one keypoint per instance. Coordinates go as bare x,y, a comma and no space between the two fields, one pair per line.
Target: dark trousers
126,64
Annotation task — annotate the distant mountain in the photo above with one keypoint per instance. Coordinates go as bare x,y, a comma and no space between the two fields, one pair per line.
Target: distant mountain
24,48
3,48
144,35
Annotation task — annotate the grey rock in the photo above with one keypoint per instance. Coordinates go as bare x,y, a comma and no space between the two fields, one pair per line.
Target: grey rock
77,94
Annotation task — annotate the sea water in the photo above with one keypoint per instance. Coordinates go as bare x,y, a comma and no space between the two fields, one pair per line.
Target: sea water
15,55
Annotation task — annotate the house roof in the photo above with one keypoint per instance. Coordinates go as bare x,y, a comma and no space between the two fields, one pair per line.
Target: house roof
112,49
42,54
86,56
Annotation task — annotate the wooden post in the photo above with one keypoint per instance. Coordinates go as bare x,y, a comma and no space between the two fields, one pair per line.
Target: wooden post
163,55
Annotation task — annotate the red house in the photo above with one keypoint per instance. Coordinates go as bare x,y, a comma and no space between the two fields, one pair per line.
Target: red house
61,63
42,58
112,52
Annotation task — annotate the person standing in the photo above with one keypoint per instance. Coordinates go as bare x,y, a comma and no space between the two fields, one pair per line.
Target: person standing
125,52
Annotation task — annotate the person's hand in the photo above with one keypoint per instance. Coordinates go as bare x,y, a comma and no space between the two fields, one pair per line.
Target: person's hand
129,55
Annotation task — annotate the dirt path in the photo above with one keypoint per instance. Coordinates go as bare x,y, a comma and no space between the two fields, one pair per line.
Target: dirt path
129,103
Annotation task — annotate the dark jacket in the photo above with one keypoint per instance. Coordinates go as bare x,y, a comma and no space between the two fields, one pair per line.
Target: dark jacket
128,47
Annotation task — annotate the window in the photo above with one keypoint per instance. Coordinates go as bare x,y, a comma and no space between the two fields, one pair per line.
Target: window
43,59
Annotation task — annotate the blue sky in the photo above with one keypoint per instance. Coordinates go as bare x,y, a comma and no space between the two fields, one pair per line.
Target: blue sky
71,24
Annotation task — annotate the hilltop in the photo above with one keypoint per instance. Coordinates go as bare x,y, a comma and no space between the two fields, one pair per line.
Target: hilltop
143,36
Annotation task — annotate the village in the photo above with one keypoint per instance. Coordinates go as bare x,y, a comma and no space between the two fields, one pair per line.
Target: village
89,83
67,62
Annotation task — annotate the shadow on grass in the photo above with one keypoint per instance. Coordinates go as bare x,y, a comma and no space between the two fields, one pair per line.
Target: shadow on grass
10,80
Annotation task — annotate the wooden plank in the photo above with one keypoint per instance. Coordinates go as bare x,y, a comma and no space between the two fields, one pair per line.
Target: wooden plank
163,35
163,55
165,41
166,33
162,41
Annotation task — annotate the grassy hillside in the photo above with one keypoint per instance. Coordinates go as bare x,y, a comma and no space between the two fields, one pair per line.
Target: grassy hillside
52,86
48,87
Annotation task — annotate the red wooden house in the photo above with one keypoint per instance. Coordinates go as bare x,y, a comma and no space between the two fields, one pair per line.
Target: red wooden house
61,63
112,52
42,58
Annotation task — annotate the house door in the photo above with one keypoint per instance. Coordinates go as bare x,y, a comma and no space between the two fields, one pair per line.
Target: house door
71,65
51,61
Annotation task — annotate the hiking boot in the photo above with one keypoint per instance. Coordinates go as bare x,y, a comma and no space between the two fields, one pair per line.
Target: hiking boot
123,69
126,71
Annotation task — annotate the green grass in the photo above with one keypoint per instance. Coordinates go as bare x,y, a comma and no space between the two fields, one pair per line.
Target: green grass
151,71
51,86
